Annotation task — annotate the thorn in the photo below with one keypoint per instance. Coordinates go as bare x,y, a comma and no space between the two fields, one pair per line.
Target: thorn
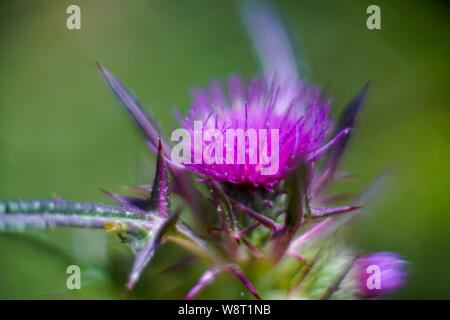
299,258
105,192
99,65
126,291
159,143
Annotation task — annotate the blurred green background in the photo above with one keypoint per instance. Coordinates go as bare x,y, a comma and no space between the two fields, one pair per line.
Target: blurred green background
62,131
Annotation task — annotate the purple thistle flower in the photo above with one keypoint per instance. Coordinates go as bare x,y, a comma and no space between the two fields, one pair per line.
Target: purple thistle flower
234,226
298,113
380,273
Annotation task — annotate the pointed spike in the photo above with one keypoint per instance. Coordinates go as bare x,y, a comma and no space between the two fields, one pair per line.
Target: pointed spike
322,230
244,231
335,286
160,196
228,206
199,244
330,225
325,212
141,262
241,276
146,253
298,199
206,278
339,176
133,203
253,251
347,121
183,186
142,117
141,190
209,275
319,152
180,264
265,221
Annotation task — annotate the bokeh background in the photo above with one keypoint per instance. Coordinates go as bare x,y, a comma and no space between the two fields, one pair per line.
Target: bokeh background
62,131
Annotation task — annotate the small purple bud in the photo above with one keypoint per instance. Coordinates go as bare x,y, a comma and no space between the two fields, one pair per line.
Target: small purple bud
380,273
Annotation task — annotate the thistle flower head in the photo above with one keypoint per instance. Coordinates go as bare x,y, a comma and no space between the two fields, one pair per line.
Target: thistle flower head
380,273
285,124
